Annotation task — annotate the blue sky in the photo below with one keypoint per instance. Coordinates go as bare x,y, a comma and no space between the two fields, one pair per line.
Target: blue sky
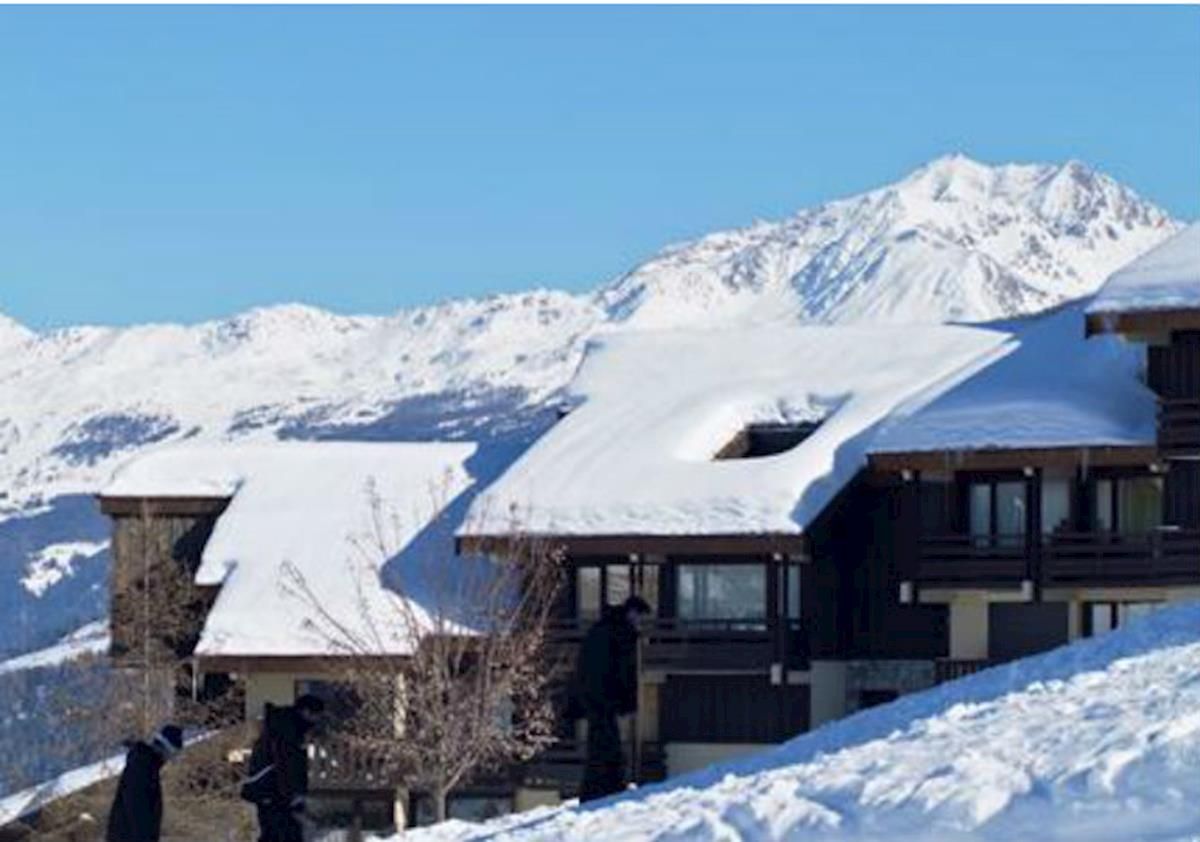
186,163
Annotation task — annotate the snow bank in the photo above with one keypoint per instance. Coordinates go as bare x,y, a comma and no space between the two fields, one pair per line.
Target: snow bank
309,508
1098,741
20,804
91,639
1165,278
636,455
1047,386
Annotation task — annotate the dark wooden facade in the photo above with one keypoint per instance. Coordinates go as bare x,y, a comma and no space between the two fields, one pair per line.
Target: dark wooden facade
156,550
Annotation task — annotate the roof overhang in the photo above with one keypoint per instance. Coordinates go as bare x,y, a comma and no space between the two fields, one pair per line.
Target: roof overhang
162,506
1146,322
994,459
306,665
626,545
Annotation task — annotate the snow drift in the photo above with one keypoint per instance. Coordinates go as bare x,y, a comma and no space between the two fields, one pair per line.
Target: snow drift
1097,741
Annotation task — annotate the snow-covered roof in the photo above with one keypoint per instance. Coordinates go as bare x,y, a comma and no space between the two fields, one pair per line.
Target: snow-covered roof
304,505
636,454
1165,278
1046,386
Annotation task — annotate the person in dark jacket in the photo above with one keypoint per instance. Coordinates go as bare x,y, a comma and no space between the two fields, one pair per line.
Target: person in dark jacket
607,685
137,809
278,776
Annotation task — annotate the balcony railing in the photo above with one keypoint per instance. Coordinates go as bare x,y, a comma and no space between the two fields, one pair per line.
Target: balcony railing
1162,558
562,764
1179,426
708,644
948,669
970,560
1096,559
337,765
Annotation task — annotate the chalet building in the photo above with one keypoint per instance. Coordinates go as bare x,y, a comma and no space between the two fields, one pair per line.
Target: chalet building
272,539
822,518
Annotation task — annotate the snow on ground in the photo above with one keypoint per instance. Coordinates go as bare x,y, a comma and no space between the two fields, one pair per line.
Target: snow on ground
17,805
51,564
319,509
635,456
1047,386
91,639
1165,278
1097,741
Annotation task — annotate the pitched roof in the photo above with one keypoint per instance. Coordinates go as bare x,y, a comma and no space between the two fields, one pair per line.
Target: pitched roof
1165,278
303,506
635,456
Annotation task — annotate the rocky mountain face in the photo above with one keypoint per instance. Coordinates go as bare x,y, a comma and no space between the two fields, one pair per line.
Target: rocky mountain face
955,240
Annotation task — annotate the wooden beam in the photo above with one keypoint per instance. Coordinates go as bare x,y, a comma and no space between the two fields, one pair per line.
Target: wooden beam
162,506
624,545
993,459
1143,321
290,664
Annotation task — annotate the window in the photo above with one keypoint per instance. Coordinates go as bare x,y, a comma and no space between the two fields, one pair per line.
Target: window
1056,505
587,593
722,592
1129,505
997,513
599,585
469,808
1101,617
759,440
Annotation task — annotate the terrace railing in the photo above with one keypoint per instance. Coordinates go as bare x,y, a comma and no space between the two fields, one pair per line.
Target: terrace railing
1063,559
1179,426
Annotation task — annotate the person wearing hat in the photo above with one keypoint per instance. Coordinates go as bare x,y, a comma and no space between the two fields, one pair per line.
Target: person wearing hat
277,783
137,809
607,688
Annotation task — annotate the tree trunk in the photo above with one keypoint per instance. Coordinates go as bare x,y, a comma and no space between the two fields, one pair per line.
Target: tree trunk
439,805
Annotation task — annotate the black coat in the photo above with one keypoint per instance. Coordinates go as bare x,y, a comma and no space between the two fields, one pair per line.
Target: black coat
278,762
606,674
136,814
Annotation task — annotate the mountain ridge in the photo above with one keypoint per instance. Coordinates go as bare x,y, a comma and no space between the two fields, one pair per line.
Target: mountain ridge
955,240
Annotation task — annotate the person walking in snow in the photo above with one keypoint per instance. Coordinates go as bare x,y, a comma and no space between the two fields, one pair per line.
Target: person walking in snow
137,808
277,784
606,687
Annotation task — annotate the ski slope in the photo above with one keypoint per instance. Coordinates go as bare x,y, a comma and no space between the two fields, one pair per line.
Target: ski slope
1097,741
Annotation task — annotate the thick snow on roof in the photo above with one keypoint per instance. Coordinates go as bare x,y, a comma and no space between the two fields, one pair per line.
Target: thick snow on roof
307,507
636,454
1094,742
1046,386
1165,278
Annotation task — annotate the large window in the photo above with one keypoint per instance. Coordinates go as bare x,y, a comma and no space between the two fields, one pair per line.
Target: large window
997,513
1056,505
722,592
1129,505
598,585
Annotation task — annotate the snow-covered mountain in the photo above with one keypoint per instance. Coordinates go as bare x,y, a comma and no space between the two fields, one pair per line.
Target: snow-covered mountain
954,240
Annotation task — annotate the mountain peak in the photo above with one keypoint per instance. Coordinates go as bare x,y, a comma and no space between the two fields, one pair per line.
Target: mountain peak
956,239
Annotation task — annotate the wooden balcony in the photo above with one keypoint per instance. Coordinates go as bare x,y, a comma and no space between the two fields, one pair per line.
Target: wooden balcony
1105,559
337,766
708,644
967,561
1179,427
1072,559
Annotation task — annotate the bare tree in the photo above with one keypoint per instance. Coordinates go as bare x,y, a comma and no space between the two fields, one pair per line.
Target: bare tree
469,692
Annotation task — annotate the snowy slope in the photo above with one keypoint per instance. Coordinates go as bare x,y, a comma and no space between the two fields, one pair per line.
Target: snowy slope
91,639
1098,741
956,239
